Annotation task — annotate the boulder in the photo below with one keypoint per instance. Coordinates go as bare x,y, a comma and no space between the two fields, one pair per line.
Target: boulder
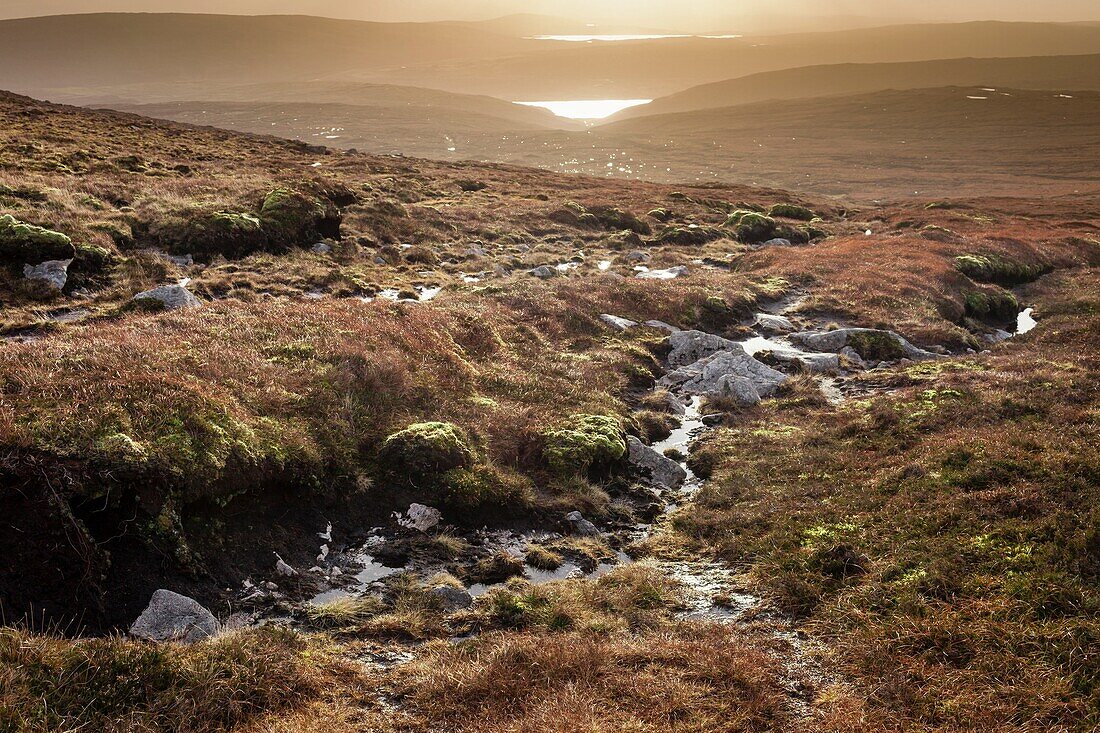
454,599
669,274
815,363
174,617
870,343
689,347
170,297
283,568
778,242
660,469
636,256
662,326
581,526
55,273
420,517
617,322
772,324
731,374
543,272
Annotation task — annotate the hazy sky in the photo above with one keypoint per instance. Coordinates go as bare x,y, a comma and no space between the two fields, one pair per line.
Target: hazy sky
629,12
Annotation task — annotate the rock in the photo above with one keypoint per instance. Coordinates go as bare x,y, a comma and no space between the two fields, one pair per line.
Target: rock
871,343
282,568
661,470
731,373
815,363
181,260
171,297
321,248
454,599
543,272
689,347
996,336
676,405
617,322
778,242
636,256
174,617
55,273
772,323
580,525
662,326
419,517
853,357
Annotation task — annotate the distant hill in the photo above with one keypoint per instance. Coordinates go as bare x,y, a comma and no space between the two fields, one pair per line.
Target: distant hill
1042,72
69,55
656,68
42,55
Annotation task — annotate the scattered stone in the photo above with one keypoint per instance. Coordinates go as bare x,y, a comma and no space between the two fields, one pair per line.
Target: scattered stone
282,568
617,322
174,617
419,517
660,469
54,273
171,297
772,323
580,525
454,599
662,326
778,242
870,343
543,272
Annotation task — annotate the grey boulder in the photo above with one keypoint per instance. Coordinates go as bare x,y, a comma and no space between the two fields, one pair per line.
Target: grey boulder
581,526
772,323
55,273
617,322
660,469
689,347
172,297
730,374
454,599
174,617
834,341
543,272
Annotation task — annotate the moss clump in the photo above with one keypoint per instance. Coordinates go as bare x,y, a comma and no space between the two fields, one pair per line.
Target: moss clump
426,449
992,305
751,227
876,346
484,487
997,269
290,218
584,442
689,236
792,211
619,220
26,244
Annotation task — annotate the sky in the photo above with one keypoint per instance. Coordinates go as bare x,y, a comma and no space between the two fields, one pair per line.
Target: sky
657,13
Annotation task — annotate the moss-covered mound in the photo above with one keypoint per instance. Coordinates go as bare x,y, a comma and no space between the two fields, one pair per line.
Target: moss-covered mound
290,218
751,227
792,211
997,269
689,235
26,244
426,449
992,304
876,346
584,442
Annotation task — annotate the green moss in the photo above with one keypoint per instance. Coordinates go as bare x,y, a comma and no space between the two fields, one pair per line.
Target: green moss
426,449
751,227
484,487
689,235
792,211
876,346
22,244
584,442
992,305
991,268
291,218
619,220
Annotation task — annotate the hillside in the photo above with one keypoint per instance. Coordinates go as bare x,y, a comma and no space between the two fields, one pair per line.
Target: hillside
705,457
1049,73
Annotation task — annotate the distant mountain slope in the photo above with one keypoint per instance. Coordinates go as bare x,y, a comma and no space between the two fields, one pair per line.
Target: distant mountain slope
651,69
1078,73
85,50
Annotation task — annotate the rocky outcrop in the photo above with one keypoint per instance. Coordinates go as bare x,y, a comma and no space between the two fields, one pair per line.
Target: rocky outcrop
54,273
658,468
870,343
174,617
731,374
168,297
689,347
